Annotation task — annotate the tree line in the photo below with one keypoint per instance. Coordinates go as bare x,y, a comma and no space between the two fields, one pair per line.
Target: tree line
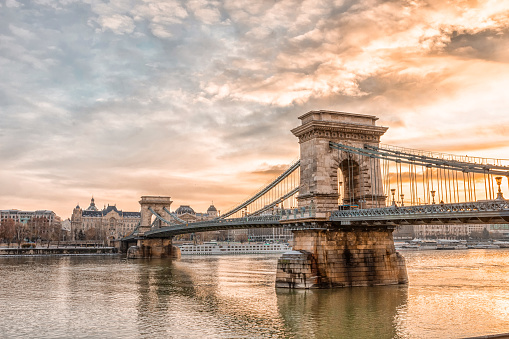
37,229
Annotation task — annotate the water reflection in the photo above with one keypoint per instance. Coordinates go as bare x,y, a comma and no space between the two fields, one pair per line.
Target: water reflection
453,294
360,312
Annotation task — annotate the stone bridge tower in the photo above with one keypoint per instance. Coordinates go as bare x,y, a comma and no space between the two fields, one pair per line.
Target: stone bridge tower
323,169
141,247
331,254
157,204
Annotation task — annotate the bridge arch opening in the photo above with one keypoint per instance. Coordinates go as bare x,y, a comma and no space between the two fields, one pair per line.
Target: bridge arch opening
349,188
153,220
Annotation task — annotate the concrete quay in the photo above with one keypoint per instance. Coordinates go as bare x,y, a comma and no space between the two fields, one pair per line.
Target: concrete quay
58,251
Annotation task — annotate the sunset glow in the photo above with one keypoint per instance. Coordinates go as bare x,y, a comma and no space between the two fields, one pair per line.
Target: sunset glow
196,99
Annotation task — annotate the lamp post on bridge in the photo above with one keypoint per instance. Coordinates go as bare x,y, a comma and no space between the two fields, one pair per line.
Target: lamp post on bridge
433,196
402,198
500,195
393,191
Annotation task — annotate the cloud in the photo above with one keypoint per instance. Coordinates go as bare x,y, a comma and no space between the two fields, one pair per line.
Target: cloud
12,4
119,24
127,97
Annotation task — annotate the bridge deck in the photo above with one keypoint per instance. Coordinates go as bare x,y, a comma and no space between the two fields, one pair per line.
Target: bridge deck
482,212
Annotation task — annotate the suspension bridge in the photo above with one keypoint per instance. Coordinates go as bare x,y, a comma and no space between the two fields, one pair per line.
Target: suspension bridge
343,199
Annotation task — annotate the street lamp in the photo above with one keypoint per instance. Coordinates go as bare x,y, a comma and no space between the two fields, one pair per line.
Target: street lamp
402,197
499,194
393,191
433,195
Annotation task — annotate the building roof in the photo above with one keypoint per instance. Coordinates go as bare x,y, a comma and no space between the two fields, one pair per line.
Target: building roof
212,208
106,210
111,209
87,213
185,209
92,206
93,211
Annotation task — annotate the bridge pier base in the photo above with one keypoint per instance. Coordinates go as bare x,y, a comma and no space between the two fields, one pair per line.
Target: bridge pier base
341,258
153,248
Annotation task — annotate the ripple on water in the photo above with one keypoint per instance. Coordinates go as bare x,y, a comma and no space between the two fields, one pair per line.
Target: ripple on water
450,294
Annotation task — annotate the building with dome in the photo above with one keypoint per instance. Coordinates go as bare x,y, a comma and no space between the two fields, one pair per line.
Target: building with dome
186,213
108,223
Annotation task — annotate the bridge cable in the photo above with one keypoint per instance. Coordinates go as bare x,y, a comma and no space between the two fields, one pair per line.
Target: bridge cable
376,167
432,184
388,182
397,183
443,184
464,187
449,184
414,186
353,179
349,178
362,183
492,188
485,186
373,180
340,181
473,182
401,183
468,187
457,186
375,197
411,169
423,185
410,183
439,190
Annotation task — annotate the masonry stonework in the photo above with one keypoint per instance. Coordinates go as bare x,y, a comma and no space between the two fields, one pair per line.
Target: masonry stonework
342,258
320,164
336,254
153,248
158,205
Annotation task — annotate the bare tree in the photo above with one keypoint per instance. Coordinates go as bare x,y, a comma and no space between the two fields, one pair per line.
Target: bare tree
241,237
38,228
7,231
20,232
91,234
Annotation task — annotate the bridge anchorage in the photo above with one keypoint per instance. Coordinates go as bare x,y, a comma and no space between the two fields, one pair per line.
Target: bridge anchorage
342,200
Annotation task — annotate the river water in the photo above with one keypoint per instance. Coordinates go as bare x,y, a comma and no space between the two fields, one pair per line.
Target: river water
451,294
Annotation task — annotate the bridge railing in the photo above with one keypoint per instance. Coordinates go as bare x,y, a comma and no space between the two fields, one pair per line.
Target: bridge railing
297,213
478,206
243,220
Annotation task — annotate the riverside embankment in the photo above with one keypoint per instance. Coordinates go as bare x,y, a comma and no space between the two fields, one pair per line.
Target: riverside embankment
57,251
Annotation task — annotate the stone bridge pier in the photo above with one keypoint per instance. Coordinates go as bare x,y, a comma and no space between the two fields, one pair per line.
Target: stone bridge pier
333,254
143,247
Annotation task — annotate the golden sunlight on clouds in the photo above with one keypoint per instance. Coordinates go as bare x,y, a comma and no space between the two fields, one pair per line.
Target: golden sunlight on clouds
196,99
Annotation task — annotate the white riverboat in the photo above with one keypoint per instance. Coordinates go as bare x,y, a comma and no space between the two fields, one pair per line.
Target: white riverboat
213,248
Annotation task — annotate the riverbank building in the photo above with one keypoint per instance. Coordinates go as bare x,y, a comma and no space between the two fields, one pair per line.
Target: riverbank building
108,223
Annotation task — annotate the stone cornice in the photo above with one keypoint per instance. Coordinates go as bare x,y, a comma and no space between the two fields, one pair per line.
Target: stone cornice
338,130
346,114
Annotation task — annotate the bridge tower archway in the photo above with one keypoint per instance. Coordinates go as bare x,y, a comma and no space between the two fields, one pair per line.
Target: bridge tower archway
157,204
322,168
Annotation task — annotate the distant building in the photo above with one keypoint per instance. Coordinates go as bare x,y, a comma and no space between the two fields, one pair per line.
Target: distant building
459,231
66,225
25,216
187,214
108,222
499,230
404,232
449,231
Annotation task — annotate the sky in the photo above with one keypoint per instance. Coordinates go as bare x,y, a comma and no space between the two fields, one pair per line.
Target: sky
196,99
